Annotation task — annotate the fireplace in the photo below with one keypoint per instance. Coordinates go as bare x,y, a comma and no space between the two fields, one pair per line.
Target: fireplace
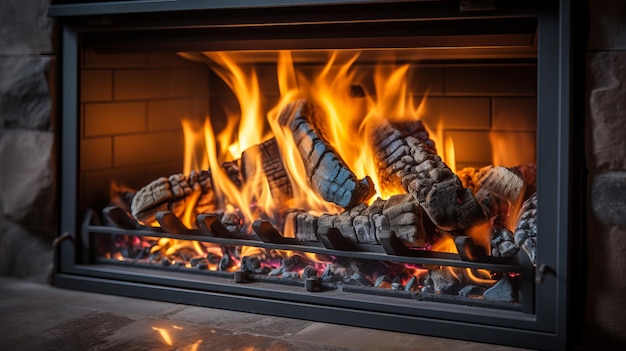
469,96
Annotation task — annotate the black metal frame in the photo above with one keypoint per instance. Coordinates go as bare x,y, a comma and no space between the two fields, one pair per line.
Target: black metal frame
543,329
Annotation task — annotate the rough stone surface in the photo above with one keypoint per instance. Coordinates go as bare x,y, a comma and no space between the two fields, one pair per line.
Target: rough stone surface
607,27
24,95
26,177
606,309
606,119
25,27
608,197
23,254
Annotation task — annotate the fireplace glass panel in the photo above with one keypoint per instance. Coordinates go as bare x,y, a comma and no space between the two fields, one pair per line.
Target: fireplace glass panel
144,116
183,123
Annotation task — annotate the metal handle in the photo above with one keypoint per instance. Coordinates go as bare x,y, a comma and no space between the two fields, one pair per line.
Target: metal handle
543,270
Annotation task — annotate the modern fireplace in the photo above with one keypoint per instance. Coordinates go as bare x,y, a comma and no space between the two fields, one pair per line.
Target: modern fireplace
394,165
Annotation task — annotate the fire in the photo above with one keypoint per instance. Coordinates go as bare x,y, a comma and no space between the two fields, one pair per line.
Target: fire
348,121
245,85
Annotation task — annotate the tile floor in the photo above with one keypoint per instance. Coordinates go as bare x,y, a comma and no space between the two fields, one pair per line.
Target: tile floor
36,316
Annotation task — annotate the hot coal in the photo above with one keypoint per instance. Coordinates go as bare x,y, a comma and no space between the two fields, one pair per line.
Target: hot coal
359,279
291,275
309,272
501,291
471,290
194,261
503,243
444,281
225,262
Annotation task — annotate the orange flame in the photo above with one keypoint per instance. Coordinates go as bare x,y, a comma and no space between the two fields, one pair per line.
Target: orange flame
392,101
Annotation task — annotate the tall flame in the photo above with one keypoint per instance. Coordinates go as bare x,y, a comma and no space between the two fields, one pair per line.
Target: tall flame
245,86
392,101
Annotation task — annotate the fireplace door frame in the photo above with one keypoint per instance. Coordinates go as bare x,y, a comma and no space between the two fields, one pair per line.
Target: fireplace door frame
543,329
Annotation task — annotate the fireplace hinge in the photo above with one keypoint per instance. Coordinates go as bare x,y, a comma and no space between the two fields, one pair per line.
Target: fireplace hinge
477,5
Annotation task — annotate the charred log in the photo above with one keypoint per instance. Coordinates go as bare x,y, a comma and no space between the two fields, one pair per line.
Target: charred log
503,183
327,173
363,224
265,158
173,194
407,163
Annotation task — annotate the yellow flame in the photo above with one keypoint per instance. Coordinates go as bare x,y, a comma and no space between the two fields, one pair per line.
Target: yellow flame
481,235
194,156
479,280
450,154
245,86
445,243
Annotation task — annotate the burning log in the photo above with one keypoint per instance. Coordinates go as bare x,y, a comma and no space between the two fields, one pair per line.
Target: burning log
327,173
501,191
503,183
363,224
408,163
172,194
526,231
271,165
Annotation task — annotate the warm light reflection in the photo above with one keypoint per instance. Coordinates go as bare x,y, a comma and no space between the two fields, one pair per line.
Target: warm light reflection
169,340
165,335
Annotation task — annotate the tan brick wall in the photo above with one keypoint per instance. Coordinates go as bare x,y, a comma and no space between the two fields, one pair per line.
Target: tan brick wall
131,107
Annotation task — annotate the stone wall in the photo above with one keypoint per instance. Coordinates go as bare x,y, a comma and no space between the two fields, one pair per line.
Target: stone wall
27,217
606,163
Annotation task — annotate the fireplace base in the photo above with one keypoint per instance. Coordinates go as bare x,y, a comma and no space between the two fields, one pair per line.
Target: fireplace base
128,323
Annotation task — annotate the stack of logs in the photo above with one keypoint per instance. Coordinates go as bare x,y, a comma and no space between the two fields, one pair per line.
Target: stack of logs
431,195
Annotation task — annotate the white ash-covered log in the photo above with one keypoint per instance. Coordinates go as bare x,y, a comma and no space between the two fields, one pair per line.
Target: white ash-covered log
526,231
173,194
407,162
363,223
327,172
501,190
